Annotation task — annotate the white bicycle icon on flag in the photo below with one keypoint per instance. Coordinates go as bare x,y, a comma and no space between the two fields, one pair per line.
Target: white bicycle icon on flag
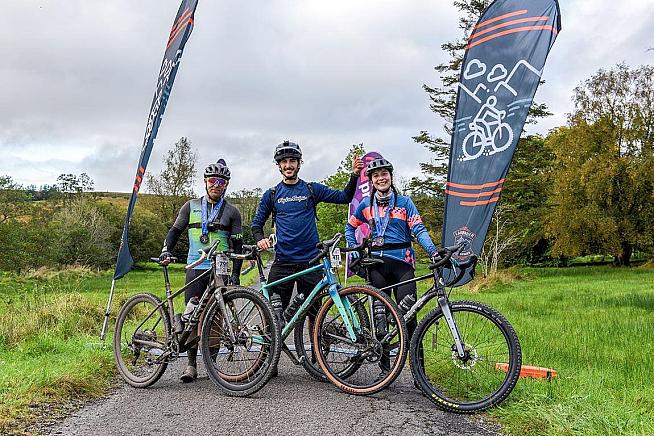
487,132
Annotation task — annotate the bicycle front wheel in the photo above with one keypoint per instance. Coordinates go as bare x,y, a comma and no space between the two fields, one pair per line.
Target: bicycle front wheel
476,381
379,351
141,336
303,337
240,346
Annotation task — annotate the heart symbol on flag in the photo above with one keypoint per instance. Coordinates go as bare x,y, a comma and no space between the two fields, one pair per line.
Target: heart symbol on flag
475,68
497,73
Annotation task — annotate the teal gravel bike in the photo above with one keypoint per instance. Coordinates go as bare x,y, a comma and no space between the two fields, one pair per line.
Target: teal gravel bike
337,333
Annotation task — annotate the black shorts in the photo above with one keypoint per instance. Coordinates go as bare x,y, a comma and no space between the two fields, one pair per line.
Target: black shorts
197,288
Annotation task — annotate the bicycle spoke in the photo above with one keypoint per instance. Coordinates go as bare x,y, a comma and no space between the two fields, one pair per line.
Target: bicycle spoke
474,379
235,363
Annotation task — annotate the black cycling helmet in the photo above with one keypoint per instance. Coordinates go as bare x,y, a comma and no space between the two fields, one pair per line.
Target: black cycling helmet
218,169
378,164
287,149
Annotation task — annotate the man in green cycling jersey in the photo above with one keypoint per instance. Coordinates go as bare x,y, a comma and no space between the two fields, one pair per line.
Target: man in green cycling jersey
208,218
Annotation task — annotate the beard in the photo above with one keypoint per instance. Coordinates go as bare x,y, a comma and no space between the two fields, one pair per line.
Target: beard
293,174
214,195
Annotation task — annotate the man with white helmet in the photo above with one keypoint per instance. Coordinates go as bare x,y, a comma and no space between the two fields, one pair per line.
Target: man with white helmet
207,219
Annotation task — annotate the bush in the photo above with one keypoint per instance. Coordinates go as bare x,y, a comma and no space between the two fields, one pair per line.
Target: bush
83,235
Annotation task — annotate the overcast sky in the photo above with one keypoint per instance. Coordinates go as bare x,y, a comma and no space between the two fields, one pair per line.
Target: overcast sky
78,76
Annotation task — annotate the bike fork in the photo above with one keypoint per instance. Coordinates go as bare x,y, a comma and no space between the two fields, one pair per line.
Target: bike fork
218,295
458,343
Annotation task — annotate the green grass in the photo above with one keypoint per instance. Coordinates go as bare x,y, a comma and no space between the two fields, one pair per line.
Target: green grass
594,325
50,323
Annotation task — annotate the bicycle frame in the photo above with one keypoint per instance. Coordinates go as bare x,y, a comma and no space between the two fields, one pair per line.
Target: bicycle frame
179,340
436,291
329,281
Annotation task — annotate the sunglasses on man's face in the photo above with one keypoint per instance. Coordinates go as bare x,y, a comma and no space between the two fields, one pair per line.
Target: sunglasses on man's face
216,181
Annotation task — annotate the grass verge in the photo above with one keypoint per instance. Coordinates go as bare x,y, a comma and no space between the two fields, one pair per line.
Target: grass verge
50,351
592,324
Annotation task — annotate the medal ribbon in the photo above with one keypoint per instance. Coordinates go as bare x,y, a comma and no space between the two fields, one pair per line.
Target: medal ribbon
382,222
206,217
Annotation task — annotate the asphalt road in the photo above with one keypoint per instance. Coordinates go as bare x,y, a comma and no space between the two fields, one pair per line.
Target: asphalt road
291,404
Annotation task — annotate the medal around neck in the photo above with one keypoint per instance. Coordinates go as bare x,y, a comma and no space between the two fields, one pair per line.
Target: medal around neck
208,217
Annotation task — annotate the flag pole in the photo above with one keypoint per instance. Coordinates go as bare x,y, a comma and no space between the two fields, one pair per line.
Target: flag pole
347,264
107,311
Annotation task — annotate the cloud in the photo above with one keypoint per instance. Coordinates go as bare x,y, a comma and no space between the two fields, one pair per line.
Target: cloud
79,78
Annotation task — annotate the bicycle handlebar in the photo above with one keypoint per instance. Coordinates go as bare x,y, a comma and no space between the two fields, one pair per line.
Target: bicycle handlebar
324,247
463,266
249,251
157,260
446,254
358,248
205,253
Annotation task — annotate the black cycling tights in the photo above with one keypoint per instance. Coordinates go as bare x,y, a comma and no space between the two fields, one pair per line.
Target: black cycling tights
394,271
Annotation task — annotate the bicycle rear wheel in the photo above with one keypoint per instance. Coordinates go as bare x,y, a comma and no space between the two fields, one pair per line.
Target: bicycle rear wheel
475,382
303,337
379,351
141,336
242,365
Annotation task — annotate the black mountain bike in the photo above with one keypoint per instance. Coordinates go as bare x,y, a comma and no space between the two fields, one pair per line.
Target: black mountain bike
235,326
465,356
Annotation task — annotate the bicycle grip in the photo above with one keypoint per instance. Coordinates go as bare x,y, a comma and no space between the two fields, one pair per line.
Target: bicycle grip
318,257
463,266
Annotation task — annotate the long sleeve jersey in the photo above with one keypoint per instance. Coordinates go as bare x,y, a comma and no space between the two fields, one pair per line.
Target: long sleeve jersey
226,227
295,223
404,220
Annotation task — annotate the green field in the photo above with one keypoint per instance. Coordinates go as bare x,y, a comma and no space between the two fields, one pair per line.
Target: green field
594,325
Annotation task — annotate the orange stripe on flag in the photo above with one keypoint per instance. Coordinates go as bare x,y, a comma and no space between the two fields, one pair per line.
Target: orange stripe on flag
479,203
472,195
182,19
181,29
501,17
485,185
510,31
508,23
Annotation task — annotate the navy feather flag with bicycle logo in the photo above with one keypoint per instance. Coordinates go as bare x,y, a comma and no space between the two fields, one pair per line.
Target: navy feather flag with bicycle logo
179,34
502,67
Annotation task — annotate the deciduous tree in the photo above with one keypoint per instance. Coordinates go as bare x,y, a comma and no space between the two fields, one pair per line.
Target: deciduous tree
173,186
603,180
332,217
